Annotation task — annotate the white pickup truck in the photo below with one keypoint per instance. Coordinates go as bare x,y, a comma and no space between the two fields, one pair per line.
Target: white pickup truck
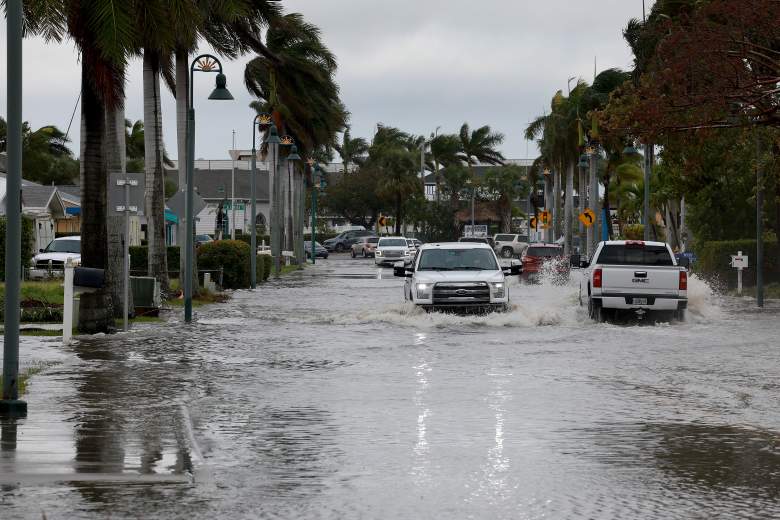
641,277
461,276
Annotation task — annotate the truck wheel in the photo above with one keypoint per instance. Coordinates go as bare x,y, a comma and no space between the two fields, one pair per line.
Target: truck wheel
595,311
353,254
507,252
680,315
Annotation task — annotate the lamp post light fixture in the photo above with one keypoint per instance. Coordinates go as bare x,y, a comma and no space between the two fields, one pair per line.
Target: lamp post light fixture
203,63
315,185
262,121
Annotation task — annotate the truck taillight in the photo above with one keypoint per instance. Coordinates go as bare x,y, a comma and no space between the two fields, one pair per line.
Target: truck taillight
683,281
597,275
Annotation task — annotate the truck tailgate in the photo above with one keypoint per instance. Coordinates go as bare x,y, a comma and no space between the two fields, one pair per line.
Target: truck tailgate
628,279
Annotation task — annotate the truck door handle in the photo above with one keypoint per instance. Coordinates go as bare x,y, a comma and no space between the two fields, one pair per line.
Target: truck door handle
640,274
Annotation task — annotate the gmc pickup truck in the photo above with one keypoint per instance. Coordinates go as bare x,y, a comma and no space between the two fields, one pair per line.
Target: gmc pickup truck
641,277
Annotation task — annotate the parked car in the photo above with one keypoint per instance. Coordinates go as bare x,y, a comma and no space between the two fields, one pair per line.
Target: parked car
508,245
390,250
635,276
463,276
343,241
319,249
365,247
538,254
202,239
51,260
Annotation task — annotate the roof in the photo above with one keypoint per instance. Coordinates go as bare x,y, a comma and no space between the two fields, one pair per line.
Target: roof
70,193
37,196
208,183
455,245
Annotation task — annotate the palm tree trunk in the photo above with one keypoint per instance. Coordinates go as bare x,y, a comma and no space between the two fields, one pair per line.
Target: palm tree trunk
116,160
155,174
568,211
95,309
581,191
557,203
506,214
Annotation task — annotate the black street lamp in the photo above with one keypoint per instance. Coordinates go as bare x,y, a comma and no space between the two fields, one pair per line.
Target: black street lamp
203,63
262,121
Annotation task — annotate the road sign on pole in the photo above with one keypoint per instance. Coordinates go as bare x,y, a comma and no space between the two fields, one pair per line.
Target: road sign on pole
587,217
739,262
126,206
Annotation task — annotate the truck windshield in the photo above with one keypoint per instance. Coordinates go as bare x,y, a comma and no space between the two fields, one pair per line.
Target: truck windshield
457,260
64,246
635,255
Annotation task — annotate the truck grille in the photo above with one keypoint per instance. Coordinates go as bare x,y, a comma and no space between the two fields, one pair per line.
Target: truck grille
55,264
393,254
468,293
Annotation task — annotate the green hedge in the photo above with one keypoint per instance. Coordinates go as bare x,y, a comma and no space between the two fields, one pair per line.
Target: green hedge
139,260
268,266
259,269
714,259
28,242
230,255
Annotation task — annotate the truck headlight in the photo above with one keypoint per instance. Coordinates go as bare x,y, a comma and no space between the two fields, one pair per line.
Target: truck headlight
498,289
424,291
378,253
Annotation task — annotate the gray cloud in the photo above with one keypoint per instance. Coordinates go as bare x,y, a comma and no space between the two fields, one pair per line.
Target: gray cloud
410,63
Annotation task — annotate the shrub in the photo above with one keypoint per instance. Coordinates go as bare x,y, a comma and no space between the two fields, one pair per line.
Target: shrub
230,255
28,241
268,266
714,260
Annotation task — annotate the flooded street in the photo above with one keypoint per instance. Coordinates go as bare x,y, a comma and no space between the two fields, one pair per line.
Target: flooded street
324,396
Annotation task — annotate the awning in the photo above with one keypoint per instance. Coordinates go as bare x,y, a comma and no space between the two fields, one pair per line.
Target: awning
170,216
76,210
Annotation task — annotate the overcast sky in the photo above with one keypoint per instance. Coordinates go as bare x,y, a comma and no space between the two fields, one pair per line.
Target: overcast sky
414,64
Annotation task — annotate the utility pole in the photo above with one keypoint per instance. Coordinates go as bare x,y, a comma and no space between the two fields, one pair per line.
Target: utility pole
568,212
759,225
593,200
10,404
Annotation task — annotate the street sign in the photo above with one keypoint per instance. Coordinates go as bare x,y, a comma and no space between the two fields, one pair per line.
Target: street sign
382,221
740,261
587,217
479,230
533,223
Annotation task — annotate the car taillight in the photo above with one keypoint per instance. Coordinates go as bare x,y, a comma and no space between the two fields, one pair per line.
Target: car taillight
597,276
683,281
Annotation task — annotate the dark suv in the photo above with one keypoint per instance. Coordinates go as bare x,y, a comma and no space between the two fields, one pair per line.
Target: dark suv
343,241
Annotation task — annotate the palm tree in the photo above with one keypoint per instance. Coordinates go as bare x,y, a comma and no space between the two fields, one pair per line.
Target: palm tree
104,33
351,150
445,150
479,146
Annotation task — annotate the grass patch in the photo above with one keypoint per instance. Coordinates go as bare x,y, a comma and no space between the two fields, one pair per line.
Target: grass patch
48,291
290,269
28,372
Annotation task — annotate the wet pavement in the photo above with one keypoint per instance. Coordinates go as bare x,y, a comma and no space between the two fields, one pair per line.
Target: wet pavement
324,396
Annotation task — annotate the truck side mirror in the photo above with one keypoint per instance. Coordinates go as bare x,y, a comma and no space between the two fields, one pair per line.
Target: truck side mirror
684,261
400,270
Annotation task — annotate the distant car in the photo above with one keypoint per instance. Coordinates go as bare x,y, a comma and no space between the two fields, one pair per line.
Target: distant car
390,250
344,241
508,245
365,247
413,243
202,239
537,255
51,260
319,249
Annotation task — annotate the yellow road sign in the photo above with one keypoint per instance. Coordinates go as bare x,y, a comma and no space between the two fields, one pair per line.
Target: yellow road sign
533,223
382,221
587,217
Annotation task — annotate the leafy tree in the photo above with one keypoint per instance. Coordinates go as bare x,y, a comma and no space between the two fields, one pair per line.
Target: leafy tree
503,185
46,158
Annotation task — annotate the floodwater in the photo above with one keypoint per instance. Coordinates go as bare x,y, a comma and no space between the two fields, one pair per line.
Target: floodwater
324,396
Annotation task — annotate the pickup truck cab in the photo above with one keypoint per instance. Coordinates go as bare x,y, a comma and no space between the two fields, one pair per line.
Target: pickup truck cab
643,277
463,276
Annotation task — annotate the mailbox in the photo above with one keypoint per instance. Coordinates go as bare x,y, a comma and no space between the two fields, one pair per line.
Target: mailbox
89,277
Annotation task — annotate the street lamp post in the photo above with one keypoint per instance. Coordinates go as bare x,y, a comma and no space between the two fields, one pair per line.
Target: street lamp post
297,232
273,141
593,199
584,164
548,196
203,63
315,184
10,403
262,120
648,165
